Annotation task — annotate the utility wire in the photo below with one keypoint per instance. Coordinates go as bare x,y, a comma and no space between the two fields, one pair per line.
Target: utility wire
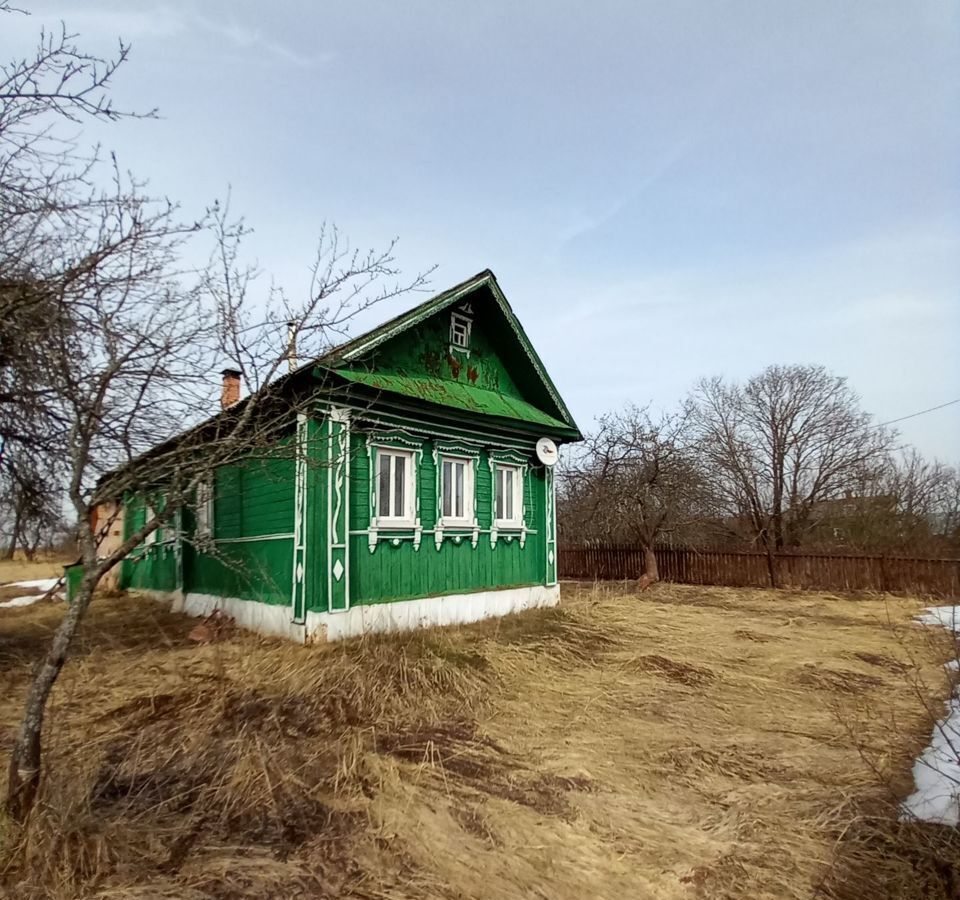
922,412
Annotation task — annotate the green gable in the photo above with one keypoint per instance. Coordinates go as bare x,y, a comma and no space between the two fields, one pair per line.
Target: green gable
498,374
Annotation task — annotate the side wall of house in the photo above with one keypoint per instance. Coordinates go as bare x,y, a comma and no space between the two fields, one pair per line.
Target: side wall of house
352,562
248,554
251,556
155,564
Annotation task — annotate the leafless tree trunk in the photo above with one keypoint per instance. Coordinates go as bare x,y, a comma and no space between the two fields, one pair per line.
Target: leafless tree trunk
650,568
15,528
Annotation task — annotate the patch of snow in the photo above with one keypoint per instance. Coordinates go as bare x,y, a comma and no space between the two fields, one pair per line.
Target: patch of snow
936,772
21,601
41,584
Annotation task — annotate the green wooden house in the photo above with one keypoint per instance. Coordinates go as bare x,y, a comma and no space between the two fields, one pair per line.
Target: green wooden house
417,488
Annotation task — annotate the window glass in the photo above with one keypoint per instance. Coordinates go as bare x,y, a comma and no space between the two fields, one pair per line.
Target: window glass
446,480
399,485
383,486
456,489
460,468
394,485
508,499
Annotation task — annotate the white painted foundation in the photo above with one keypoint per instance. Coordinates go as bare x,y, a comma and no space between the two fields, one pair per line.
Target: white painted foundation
428,612
376,618
265,618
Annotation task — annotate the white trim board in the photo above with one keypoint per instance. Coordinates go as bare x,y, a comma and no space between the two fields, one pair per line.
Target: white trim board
374,618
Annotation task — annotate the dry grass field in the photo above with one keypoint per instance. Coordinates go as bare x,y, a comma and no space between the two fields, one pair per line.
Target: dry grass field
21,570
681,743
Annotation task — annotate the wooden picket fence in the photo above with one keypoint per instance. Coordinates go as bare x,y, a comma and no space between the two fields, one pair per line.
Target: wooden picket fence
820,571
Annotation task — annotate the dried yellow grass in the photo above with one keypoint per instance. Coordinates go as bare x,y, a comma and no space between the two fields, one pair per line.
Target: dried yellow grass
684,742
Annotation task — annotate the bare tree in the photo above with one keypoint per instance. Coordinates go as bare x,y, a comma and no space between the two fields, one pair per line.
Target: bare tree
909,505
47,190
779,445
128,363
636,478
30,492
128,336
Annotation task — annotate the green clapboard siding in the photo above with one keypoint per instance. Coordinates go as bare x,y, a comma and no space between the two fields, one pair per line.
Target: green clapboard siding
401,572
253,500
253,570
153,565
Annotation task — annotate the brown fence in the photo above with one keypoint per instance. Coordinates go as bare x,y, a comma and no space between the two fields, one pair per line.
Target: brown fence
825,572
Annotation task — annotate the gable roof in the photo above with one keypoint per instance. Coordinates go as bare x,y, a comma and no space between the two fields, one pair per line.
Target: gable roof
444,392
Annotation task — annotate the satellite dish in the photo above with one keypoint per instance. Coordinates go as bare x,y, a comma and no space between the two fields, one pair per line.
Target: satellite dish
547,452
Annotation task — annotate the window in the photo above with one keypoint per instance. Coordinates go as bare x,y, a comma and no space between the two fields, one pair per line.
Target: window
204,510
508,496
395,487
456,490
149,515
459,331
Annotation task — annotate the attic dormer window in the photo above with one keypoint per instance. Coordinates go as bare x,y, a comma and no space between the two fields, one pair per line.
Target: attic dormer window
460,332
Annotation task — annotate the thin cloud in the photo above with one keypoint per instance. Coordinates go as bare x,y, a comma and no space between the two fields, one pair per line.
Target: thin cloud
252,39
165,21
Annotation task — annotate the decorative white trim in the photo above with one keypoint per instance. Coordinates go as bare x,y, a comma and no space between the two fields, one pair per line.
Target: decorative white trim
521,464
298,592
253,538
406,534
455,450
460,319
550,525
393,441
338,504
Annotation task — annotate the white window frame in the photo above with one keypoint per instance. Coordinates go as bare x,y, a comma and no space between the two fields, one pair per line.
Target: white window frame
204,509
460,325
515,522
467,519
149,516
407,519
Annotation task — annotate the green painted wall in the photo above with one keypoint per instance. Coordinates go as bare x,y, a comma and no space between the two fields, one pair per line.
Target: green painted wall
254,525
154,564
393,572
253,499
426,351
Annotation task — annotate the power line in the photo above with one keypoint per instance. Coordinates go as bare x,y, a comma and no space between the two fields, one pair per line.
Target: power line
922,412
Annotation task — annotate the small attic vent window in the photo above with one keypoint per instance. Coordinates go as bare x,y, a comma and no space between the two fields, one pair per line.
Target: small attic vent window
459,332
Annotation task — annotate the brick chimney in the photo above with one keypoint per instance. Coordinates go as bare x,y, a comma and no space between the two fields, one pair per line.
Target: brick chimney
230,393
291,345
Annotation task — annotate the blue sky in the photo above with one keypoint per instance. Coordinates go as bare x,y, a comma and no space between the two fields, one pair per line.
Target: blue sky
664,190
